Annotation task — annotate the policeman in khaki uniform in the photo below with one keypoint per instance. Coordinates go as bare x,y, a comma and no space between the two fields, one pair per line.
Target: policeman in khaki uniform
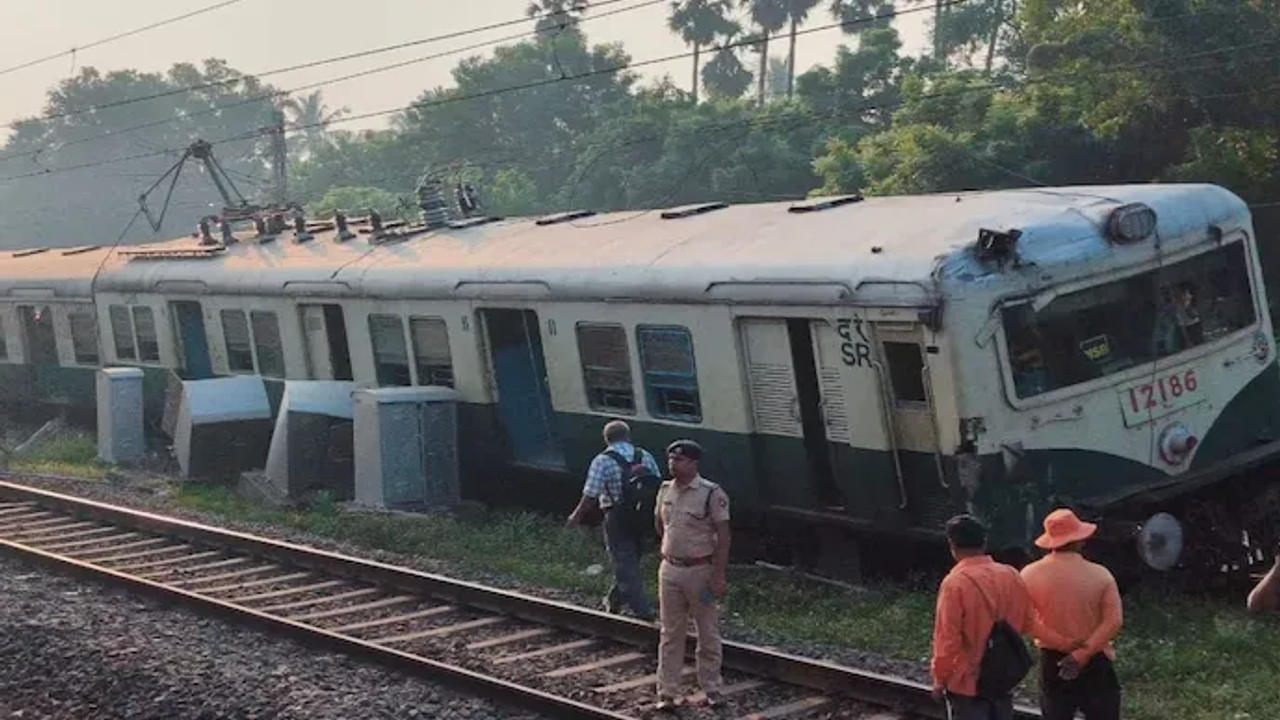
692,518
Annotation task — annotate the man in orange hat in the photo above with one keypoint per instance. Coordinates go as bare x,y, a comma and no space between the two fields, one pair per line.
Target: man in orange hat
1078,601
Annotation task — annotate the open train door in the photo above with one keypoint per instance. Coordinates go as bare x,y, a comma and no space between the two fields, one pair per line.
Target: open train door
904,353
325,332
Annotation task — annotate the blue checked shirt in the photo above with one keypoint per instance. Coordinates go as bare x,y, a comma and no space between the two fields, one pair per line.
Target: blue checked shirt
604,477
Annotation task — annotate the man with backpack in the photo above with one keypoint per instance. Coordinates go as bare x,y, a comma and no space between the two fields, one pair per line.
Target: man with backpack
622,482
983,608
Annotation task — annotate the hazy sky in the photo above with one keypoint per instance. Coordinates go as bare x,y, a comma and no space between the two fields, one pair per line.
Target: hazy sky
259,35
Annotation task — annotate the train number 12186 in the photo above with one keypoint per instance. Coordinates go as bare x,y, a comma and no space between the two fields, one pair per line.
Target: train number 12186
1159,396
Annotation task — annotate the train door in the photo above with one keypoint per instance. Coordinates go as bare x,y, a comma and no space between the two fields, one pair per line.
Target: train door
38,334
524,393
325,332
193,344
904,357
792,398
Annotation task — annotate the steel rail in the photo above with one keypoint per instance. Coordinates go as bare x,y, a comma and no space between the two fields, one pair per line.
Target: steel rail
829,678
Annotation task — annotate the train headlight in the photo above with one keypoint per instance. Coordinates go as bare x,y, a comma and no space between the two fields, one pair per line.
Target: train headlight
1176,443
1131,223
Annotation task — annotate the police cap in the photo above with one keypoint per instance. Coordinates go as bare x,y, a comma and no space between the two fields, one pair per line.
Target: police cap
687,448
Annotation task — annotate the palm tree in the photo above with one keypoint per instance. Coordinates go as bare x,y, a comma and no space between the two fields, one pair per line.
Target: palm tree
556,14
310,115
699,23
770,16
797,12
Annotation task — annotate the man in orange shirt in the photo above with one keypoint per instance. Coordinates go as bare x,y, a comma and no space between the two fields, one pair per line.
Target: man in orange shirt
1079,601
973,596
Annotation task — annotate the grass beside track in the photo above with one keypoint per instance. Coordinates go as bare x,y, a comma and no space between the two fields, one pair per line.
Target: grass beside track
1179,657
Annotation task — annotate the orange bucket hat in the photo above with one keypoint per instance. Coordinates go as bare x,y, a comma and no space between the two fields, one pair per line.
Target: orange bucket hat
1061,527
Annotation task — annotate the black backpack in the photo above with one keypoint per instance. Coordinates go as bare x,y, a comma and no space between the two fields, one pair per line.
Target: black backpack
639,493
1005,658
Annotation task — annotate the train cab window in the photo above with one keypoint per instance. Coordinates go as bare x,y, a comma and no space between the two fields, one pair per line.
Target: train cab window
144,325
1092,333
266,343
84,337
670,374
431,353
606,367
235,331
906,372
390,356
122,332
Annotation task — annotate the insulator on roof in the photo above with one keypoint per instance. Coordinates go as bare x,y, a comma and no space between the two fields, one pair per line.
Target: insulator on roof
275,224
375,226
300,233
260,226
435,212
228,237
468,199
206,238
340,219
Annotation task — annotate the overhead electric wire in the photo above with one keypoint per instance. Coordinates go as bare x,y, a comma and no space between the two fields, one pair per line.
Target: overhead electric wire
113,38
300,66
322,83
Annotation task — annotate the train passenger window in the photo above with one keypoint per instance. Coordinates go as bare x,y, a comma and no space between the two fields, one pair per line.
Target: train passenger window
122,332
266,343
84,337
390,356
38,332
670,374
606,367
1105,329
906,371
144,324
235,330
431,351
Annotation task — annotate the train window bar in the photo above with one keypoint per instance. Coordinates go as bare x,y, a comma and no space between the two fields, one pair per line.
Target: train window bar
30,251
691,210
825,203
564,217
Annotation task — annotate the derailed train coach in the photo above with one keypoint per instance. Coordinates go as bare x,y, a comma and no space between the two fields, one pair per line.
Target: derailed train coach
858,369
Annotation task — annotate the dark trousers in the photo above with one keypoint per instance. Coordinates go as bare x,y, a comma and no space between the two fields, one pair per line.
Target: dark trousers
963,707
624,553
1095,692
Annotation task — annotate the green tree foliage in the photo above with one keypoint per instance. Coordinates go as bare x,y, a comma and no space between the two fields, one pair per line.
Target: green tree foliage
699,23
358,200
1015,94
93,205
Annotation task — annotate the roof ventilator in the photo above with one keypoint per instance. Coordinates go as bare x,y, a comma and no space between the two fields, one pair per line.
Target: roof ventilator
79,250
300,232
996,245
29,251
825,203
564,217
340,220
691,210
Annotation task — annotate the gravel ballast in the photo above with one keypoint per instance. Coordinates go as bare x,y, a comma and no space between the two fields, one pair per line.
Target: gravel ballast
74,648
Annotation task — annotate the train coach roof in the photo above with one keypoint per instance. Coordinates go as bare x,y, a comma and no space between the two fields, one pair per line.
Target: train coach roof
50,272
879,250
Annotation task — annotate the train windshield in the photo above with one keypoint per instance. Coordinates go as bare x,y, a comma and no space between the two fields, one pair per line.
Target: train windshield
1105,329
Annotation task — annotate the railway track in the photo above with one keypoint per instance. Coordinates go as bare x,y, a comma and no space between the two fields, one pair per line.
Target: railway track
559,659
